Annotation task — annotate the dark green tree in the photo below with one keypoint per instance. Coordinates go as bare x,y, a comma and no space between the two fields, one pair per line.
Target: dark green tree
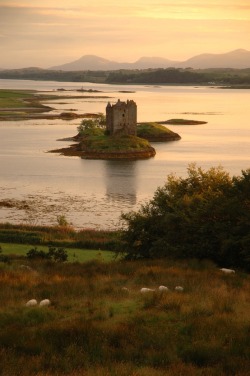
205,215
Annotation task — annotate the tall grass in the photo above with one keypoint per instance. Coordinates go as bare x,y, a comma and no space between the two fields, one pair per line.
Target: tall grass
94,327
61,236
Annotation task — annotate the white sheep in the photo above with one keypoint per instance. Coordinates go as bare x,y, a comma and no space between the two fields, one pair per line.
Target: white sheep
25,267
179,288
163,288
145,290
45,302
227,271
31,303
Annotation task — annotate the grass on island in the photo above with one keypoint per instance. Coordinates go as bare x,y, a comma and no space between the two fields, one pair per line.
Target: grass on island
96,139
26,104
152,129
96,327
15,99
114,143
184,122
20,104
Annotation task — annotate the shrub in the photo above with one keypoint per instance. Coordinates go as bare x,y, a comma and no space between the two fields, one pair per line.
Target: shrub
62,221
204,216
54,254
3,258
92,125
58,254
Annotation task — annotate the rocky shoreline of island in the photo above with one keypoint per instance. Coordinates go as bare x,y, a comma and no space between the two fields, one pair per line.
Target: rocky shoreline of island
76,150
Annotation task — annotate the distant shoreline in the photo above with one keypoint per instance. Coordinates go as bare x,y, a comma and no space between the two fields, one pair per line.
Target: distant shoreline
212,77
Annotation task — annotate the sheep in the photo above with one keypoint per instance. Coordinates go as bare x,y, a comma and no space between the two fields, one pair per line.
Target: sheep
179,288
31,303
163,288
25,267
227,271
145,290
45,302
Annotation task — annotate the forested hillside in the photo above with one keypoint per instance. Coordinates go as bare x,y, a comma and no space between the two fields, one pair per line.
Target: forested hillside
147,76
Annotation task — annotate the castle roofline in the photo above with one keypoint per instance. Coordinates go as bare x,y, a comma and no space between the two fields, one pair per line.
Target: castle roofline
120,103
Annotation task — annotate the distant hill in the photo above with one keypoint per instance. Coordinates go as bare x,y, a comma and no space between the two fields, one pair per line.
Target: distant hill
92,62
153,62
96,63
238,59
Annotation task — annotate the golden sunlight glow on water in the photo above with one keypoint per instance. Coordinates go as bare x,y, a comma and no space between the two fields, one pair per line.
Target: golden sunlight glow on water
94,193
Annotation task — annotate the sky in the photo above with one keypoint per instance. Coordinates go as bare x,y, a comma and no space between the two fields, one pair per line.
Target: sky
51,32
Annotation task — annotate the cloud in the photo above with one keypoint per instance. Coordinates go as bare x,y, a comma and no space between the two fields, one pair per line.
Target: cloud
66,29
138,9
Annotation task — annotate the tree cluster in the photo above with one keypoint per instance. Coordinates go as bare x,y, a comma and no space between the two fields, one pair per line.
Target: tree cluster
205,215
223,76
181,76
92,126
158,76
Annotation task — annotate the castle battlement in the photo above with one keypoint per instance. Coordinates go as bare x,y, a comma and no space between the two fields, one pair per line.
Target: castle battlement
121,117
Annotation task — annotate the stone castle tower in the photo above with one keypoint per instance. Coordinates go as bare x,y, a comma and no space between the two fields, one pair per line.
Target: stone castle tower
121,118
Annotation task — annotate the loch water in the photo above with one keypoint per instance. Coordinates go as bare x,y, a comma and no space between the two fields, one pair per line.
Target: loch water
92,193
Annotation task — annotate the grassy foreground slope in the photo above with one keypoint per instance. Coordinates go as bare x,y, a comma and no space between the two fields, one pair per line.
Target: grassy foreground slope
95,327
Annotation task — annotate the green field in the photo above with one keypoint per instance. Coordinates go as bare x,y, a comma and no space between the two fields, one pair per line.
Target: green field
74,254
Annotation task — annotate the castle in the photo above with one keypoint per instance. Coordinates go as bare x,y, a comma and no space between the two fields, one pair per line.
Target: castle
121,118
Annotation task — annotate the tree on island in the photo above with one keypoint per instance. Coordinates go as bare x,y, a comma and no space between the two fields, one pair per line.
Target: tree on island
204,216
92,124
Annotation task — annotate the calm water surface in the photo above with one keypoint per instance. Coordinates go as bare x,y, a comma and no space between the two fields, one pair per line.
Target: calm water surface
92,193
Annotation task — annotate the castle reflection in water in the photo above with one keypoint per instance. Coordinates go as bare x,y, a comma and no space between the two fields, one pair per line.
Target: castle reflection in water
121,181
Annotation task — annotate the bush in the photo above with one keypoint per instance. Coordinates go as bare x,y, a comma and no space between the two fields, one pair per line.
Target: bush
204,216
3,258
54,254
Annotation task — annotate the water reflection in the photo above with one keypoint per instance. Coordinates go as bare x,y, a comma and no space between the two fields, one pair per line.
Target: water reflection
121,181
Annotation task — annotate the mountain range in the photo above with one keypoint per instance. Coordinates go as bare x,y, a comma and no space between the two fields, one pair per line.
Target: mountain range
238,59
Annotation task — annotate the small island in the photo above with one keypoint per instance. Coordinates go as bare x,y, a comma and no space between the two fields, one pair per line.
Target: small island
118,136
182,122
